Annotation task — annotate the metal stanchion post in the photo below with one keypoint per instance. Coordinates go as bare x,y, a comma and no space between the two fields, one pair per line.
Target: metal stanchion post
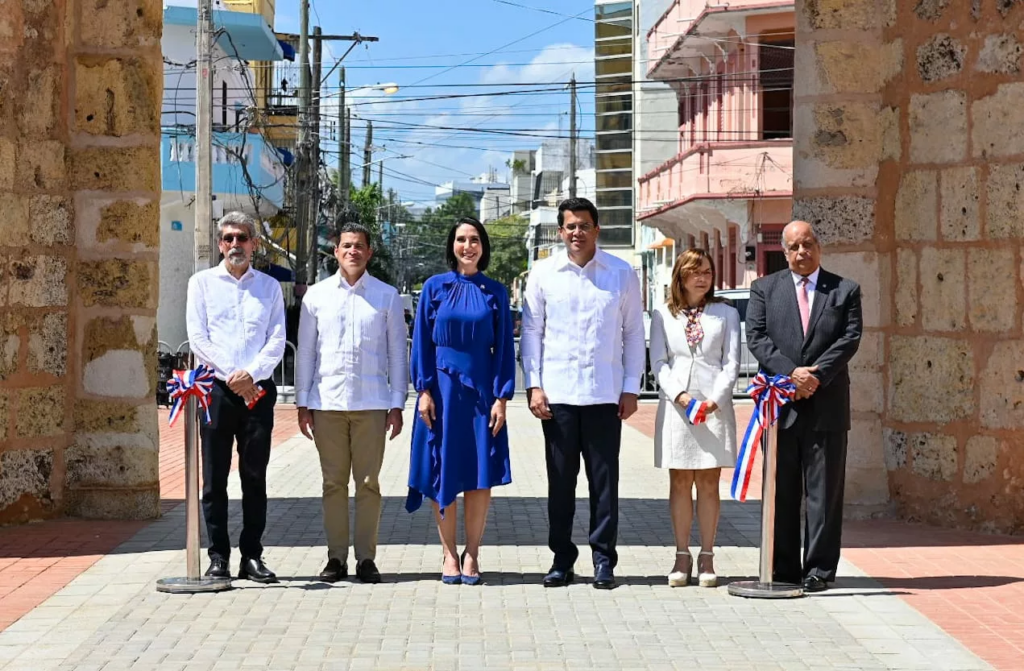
764,587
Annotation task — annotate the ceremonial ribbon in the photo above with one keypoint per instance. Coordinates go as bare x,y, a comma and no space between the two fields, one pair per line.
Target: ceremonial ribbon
183,384
769,394
696,412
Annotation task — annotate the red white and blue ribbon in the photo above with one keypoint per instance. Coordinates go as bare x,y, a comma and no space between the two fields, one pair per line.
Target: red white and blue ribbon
184,384
696,412
769,394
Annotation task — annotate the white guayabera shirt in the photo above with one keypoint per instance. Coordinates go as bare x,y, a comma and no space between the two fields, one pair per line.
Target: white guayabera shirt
583,330
236,324
352,350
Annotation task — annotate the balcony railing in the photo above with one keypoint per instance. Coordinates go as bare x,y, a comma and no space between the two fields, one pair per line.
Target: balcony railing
720,169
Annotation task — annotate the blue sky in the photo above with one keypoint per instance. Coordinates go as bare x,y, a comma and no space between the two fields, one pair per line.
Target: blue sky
549,47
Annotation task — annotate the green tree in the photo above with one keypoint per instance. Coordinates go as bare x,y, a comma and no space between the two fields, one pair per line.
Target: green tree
426,239
508,248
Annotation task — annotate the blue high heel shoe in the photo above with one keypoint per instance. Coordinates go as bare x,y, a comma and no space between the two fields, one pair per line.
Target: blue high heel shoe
450,579
471,580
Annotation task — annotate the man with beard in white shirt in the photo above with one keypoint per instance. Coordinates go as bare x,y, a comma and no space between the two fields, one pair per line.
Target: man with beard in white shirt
351,382
583,354
236,326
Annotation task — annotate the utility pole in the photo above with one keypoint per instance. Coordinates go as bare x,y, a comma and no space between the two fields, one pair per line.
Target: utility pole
303,162
343,151
313,256
347,173
204,243
367,153
572,137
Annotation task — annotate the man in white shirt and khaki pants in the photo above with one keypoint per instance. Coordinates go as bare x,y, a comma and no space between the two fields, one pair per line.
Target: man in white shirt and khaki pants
235,321
351,383
583,353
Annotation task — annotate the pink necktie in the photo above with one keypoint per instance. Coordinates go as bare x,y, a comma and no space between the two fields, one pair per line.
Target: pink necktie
802,302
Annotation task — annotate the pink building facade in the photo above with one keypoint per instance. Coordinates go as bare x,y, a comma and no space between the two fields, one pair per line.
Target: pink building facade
729,188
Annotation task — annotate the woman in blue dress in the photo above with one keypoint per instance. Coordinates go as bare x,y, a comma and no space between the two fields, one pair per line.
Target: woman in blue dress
463,368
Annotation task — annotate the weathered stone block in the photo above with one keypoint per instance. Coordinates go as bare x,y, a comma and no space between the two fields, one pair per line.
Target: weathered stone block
106,417
50,218
848,135
840,14
866,481
940,57
993,117
8,151
1006,6
39,103
15,225
938,127
933,455
116,168
41,411
112,460
12,31
1000,54
917,206
856,67
1005,201
930,10
117,96
943,289
870,354
894,444
38,281
48,344
863,268
840,220
866,391
992,299
113,504
25,480
130,222
10,346
3,414
41,165
116,282
906,287
117,360
980,458
1002,387
925,372
122,24
958,215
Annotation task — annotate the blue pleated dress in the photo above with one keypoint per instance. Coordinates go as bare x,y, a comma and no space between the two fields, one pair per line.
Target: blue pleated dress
463,353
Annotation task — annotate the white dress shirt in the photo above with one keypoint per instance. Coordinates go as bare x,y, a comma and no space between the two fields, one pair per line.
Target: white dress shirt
583,330
236,324
812,285
352,349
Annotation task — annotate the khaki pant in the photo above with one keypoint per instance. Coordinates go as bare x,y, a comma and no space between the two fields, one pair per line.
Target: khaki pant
351,443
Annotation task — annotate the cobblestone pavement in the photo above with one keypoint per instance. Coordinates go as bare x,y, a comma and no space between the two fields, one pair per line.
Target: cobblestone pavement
110,617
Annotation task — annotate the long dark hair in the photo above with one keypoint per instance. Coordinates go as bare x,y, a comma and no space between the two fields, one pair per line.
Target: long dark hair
485,242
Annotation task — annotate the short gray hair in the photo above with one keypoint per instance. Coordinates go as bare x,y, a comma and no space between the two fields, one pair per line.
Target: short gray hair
240,219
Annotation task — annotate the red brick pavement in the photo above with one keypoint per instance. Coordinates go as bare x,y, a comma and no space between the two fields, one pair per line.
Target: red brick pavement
37,560
969,584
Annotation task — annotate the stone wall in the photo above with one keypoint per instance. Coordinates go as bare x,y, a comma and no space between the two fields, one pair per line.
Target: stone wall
80,90
910,158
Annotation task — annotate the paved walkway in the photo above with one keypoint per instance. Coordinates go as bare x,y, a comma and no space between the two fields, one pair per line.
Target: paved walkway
110,617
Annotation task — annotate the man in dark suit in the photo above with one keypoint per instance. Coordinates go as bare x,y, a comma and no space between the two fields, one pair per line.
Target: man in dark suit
805,322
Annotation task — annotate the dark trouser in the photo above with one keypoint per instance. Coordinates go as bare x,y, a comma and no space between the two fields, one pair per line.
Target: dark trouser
595,431
232,422
813,462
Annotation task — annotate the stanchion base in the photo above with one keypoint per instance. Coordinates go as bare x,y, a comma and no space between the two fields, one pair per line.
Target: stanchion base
755,589
192,585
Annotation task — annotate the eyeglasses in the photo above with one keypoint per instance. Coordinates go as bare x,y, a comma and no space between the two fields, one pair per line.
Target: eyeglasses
231,237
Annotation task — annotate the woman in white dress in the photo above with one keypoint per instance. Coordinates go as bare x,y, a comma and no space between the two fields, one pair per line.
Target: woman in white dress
695,356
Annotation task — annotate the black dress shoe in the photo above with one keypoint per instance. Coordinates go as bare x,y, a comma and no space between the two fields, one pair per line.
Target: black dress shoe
813,583
604,578
218,569
334,571
256,570
367,571
557,577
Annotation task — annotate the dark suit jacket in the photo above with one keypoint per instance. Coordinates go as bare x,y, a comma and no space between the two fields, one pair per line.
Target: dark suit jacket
775,339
